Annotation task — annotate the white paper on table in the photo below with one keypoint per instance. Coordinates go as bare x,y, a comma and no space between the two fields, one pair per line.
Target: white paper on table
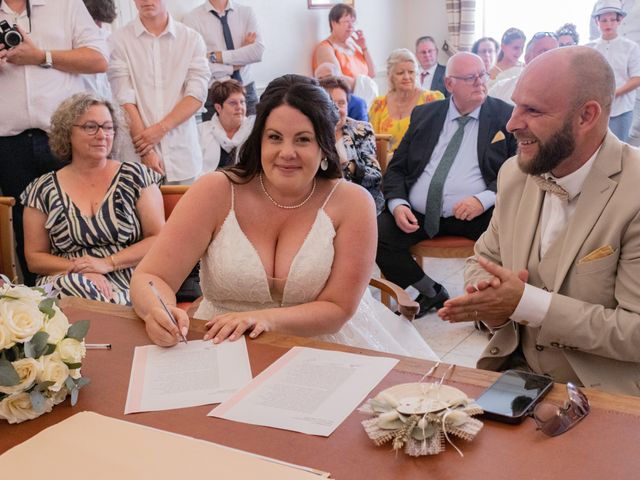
186,375
307,390
106,449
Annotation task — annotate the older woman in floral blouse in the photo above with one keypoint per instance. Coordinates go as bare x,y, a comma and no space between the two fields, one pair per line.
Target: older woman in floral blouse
355,143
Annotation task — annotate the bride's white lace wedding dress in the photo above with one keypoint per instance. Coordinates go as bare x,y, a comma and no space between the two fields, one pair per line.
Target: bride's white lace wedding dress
233,279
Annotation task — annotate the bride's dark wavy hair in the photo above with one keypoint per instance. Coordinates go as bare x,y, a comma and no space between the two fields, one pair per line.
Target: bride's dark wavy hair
303,94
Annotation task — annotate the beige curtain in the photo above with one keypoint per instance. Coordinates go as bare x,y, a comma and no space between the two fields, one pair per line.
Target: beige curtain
461,18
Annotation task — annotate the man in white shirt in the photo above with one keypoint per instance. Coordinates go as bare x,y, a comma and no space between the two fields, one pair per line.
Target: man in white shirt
431,74
624,57
103,13
556,273
159,74
233,41
60,42
629,28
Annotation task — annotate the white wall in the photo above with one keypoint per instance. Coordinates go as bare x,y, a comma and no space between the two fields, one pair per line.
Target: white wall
290,30
426,17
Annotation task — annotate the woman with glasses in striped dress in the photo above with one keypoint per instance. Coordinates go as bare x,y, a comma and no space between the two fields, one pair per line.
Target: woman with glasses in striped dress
88,224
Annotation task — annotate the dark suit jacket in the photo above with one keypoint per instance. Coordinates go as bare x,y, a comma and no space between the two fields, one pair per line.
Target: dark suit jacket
438,81
416,147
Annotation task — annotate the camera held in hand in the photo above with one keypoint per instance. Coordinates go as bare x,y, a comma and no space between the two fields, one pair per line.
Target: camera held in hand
9,36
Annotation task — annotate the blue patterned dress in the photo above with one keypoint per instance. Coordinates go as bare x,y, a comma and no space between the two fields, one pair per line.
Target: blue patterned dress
115,226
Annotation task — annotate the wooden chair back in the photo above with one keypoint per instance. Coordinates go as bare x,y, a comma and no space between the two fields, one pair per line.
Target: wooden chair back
171,195
382,149
7,243
447,246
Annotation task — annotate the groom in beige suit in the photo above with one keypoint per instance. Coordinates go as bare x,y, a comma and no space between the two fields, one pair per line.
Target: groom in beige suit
557,274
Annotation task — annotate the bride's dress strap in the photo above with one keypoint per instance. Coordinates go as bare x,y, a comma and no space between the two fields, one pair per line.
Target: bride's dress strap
331,193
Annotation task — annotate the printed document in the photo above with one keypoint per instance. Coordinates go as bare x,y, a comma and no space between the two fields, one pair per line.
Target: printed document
307,390
186,375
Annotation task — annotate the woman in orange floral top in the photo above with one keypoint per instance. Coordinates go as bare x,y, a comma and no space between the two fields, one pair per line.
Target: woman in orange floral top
391,113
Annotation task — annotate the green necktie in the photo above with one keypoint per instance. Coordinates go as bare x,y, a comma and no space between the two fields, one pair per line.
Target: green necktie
433,208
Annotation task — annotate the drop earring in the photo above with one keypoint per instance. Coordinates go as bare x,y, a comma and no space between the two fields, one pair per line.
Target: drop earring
324,164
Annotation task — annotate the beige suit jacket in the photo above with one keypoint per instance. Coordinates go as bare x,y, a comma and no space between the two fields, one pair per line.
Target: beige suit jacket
594,316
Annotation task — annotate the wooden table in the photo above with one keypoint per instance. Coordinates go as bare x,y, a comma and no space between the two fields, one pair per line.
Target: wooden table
603,445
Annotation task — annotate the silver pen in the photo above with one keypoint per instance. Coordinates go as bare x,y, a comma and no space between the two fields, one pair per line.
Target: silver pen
164,305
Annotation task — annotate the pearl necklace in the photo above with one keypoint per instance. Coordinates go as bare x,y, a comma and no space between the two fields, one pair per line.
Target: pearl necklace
287,207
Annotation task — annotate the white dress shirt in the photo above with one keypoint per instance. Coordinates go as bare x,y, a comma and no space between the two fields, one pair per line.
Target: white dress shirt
428,78
29,94
155,73
555,216
241,20
98,83
623,56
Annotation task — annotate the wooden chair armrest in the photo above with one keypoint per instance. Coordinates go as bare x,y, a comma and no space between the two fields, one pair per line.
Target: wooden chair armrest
174,189
8,201
406,306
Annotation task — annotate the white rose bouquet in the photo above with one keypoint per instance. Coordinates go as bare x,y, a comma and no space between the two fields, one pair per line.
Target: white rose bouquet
40,353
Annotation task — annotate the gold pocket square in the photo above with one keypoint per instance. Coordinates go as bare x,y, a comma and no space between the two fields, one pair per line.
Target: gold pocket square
498,136
597,253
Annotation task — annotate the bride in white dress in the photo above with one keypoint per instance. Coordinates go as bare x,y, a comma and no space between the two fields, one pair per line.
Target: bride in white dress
286,244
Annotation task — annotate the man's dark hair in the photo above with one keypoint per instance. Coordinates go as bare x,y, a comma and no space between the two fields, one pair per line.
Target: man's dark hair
101,10
426,38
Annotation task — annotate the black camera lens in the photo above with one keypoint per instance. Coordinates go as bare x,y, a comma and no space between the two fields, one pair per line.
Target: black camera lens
9,35
12,39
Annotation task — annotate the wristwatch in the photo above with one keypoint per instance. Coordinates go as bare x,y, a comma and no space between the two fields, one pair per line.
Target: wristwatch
48,60
213,58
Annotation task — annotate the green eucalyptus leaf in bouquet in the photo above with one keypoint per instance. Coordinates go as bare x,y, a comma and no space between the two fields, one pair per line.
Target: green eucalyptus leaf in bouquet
35,347
8,375
78,330
46,307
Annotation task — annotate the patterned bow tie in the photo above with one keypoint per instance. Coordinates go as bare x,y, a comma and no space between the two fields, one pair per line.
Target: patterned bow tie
550,186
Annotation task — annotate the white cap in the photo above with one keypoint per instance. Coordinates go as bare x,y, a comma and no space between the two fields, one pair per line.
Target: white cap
608,6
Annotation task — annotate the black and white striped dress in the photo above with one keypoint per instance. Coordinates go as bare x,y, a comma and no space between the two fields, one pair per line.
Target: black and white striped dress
71,234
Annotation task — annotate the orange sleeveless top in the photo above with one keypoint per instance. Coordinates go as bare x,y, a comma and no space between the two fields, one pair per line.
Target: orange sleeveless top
352,63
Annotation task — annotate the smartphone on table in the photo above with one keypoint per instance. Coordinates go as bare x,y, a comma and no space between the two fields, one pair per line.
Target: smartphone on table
514,395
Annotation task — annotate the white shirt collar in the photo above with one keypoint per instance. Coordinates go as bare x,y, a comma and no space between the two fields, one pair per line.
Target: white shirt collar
431,71
454,113
209,8
574,182
139,28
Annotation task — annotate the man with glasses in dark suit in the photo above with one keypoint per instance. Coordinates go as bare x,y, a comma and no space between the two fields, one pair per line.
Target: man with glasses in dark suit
442,178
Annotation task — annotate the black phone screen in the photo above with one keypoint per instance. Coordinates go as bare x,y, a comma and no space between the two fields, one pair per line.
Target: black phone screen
514,393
